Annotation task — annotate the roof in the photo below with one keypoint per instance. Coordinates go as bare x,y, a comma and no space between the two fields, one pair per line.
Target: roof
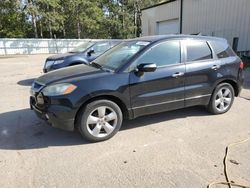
159,4
155,38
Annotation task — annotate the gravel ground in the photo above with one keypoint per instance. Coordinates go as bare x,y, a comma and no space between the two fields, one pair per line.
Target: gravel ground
183,148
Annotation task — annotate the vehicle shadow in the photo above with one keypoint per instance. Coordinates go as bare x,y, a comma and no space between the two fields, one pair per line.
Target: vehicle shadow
27,82
21,129
165,116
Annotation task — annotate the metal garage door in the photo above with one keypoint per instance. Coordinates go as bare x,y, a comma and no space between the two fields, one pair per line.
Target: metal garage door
168,27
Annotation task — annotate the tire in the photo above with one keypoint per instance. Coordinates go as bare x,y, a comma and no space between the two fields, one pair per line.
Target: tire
100,120
222,99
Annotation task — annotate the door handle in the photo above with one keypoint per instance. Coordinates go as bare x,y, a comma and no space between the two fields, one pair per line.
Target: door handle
178,74
215,67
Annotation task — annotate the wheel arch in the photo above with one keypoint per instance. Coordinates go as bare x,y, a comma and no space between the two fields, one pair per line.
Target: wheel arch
116,100
232,83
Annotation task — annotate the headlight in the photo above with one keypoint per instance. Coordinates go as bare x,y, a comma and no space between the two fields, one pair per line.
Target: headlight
56,62
58,89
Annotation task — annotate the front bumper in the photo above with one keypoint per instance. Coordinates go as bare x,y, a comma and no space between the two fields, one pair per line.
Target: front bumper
57,116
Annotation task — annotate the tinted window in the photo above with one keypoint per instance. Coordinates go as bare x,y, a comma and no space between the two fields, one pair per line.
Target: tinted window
162,54
198,50
222,49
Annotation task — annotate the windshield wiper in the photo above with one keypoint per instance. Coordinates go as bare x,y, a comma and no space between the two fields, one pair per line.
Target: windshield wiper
96,65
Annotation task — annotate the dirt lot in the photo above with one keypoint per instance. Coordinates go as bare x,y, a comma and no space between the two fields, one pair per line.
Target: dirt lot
183,148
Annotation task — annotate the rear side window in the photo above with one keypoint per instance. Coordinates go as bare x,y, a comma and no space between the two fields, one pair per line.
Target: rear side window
222,49
198,50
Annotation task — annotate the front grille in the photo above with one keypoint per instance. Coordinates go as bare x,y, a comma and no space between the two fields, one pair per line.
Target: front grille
32,100
38,100
37,86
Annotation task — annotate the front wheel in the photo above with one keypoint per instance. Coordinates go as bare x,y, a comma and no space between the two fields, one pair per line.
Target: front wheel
100,120
222,99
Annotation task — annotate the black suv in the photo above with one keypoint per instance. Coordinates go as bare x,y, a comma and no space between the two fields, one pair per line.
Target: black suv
83,54
139,77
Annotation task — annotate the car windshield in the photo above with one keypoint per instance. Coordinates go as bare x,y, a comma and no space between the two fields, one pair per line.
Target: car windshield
120,54
82,47
100,47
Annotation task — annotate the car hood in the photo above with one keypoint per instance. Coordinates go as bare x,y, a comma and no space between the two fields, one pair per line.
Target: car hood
69,73
61,56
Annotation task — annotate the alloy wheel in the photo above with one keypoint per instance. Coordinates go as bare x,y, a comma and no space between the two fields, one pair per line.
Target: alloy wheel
223,99
102,121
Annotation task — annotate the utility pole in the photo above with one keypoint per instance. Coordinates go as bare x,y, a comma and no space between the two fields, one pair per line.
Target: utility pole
181,15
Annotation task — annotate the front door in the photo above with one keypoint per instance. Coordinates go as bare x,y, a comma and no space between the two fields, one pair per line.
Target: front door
163,89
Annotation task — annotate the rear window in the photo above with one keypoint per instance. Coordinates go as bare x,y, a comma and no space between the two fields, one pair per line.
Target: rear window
222,49
198,50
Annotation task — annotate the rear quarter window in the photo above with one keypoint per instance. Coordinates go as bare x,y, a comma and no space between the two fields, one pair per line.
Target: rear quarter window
222,49
198,51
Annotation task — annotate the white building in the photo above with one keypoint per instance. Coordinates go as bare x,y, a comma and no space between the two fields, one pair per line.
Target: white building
229,19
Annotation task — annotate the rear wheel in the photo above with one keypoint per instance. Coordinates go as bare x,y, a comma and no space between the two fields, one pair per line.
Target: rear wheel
100,120
222,99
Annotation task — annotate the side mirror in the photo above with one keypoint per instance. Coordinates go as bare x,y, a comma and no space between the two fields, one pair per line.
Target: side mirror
150,67
91,52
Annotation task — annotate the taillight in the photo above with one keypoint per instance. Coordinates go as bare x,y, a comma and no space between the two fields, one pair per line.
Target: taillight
241,65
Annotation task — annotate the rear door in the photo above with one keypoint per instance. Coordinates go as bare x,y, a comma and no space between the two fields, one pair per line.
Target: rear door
163,89
202,71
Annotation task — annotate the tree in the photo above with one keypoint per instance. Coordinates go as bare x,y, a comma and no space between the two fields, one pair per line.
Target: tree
31,10
123,16
72,18
51,17
13,20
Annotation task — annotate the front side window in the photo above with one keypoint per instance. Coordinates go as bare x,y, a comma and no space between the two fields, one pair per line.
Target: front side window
198,51
165,53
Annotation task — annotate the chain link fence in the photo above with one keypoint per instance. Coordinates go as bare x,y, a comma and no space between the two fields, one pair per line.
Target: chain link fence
39,46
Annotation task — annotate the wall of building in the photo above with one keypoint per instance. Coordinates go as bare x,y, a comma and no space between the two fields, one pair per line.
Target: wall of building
38,46
150,17
222,18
